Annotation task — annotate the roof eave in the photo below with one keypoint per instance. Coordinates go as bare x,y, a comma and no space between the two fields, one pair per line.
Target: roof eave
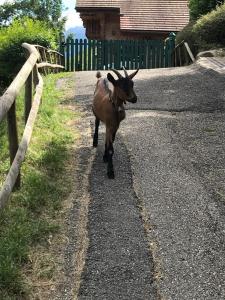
91,9
144,31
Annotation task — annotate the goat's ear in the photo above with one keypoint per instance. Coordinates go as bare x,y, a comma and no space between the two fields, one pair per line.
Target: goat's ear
111,79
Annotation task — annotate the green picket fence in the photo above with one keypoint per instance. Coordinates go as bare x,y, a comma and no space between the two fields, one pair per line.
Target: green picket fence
84,55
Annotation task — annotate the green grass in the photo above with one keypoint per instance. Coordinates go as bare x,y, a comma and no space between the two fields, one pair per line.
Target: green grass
30,215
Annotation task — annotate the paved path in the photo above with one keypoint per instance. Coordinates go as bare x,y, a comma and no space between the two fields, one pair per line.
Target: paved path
118,264
214,63
158,230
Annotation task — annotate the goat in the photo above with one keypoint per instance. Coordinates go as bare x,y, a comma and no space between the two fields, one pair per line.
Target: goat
108,107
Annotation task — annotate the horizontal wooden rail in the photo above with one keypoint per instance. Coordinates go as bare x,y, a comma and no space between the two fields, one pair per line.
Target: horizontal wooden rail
53,51
20,155
13,90
189,51
28,75
44,64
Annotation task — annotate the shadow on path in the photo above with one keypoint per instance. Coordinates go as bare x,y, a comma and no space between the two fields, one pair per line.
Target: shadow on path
118,265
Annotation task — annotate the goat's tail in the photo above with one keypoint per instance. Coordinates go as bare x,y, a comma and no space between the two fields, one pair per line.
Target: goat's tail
98,74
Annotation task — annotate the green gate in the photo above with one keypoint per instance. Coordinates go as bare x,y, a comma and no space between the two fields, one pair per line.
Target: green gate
85,55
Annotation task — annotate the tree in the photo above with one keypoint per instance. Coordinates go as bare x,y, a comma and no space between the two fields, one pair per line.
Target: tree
43,10
202,7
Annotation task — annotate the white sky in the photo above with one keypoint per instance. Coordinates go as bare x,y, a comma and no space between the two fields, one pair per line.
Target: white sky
73,18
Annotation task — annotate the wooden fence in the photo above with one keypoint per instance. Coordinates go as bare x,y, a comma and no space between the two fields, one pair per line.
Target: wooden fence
182,55
39,58
83,55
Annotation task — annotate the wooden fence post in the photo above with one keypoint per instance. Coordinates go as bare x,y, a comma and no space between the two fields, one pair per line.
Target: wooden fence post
80,66
13,137
35,76
172,39
72,55
28,96
68,54
85,56
62,48
180,57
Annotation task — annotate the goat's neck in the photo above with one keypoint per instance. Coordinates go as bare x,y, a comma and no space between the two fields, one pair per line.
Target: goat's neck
118,102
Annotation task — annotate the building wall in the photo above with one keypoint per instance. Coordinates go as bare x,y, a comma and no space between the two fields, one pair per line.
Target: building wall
107,28
112,26
104,25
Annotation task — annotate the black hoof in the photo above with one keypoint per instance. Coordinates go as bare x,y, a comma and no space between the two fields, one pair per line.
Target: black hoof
111,175
105,159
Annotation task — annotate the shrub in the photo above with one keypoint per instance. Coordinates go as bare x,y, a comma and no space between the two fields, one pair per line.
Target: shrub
202,7
11,38
210,28
188,36
206,33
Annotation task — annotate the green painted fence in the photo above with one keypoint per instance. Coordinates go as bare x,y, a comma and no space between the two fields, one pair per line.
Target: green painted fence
84,55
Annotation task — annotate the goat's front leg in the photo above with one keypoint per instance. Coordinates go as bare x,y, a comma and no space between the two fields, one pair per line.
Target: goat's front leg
95,138
109,152
114,136
105,156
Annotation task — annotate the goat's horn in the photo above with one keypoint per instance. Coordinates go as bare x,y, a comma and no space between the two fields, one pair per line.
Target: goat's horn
117,73
125,72
133,74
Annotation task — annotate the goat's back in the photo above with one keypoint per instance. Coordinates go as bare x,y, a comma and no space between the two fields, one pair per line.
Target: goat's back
103,87
102,106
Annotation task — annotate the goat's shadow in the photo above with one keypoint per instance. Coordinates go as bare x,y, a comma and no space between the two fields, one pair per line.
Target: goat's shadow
118,265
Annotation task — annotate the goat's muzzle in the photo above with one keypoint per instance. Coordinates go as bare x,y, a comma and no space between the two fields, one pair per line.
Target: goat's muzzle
132,100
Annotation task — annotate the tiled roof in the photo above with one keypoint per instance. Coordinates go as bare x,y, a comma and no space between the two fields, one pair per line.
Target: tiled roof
160,15
155,15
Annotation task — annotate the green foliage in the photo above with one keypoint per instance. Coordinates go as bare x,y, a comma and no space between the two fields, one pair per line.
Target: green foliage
188,36
11,38
202,7
44,10
205,33
210,28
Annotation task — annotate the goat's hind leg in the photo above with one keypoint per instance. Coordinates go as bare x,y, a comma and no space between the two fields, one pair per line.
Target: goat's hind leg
105,156
95,138
110,168
109,151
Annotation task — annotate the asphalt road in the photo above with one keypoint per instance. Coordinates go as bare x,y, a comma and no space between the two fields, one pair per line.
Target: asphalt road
158,230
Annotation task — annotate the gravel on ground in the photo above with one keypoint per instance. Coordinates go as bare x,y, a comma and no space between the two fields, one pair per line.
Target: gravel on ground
157,230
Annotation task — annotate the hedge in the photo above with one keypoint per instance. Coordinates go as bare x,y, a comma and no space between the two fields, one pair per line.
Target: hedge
207,32
210,27
11,38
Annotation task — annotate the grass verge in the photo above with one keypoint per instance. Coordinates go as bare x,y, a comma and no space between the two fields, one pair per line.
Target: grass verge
30,217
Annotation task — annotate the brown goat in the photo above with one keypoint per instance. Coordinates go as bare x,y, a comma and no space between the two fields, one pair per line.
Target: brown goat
108,107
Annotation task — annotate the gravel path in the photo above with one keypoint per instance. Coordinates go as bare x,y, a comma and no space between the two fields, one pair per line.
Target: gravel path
157,230
118,263
179,174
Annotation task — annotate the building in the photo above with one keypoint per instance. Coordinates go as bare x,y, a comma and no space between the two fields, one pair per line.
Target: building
132,19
